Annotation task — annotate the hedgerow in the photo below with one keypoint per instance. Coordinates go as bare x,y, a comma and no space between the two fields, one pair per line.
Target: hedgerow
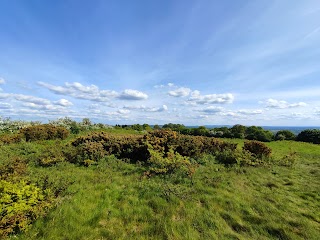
44,132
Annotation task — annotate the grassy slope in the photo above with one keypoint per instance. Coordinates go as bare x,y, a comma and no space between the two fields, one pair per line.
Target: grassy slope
111,201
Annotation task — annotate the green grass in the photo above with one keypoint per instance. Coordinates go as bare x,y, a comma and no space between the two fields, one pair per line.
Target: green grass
112,201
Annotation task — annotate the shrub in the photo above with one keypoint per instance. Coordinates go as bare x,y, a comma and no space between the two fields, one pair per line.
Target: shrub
11,138
49,155
309,135
257,148
92,150
44,132
20,204
94,146
285,135
74,128
135,148
168,163
12,169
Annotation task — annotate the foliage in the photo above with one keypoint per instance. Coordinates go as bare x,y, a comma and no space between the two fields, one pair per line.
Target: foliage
44,132
257,148
116,200
309,135
9,126
11,138
12,169
111,200
238,131
174,127
21,203
168,163
259,134
95,146
285,135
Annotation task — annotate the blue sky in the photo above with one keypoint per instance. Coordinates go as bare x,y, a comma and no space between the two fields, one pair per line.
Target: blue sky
191,62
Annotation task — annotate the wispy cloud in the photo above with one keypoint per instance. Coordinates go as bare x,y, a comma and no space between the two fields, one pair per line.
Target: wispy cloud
180,92
5,106
197,98
280,104
92,92
147,109
64,103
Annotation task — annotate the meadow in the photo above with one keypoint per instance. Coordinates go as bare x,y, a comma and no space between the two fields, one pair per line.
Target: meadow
207,196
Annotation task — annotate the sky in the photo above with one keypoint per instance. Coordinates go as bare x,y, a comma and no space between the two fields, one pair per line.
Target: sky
207,62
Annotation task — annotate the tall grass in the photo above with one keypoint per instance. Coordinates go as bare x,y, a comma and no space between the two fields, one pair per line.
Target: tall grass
111,200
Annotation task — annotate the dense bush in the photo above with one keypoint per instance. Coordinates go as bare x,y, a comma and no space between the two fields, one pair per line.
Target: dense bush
259,134
12,169
257,148
94,146
168,163
285,135
309,135
20,204
11,138
44,132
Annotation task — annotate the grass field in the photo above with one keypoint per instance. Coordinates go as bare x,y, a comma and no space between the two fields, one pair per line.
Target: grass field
111,200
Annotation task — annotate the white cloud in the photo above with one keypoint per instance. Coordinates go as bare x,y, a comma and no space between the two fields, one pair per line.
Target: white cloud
31,99
159,109
163,86
130,94
2,81
81,88
5,106
212,110
123,111
273,103
147,109
5,95
64,103
197,98
180,92
250,112
229,114
92,92
77,90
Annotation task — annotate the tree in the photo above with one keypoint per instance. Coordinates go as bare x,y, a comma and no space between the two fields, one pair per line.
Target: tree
174,127
156,127
238,131
285,135
146,127
309,135
200,131
86,122
258,133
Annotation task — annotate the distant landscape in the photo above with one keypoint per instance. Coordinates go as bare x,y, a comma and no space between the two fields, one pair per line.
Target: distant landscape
160,120
296,130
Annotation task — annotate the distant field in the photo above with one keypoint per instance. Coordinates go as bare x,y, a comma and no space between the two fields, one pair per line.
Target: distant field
111,200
